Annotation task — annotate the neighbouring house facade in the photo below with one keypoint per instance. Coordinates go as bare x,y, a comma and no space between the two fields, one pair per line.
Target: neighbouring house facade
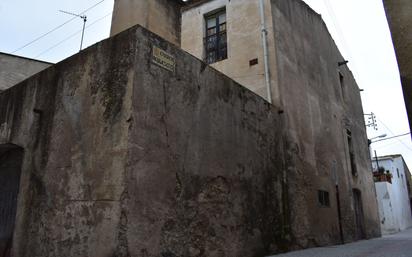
145,146
399,15
227,35
14,69
318,95
393,189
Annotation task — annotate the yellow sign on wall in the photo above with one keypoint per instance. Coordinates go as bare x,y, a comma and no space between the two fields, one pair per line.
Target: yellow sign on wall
163,59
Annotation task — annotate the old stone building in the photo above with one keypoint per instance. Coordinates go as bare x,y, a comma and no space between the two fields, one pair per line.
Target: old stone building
15,69
126,156
135,147
310,83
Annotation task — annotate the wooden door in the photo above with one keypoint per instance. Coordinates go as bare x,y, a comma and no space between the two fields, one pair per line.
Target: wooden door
359,217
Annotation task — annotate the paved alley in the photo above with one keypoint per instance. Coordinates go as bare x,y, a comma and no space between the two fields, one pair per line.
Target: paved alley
397,245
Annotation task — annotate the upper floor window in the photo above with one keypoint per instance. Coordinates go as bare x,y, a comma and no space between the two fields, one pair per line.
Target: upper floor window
216,37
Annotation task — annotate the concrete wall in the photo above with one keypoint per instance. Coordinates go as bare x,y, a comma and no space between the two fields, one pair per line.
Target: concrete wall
395,209
159,16
243,38
126,158
319,110
389,222
14,69
399,14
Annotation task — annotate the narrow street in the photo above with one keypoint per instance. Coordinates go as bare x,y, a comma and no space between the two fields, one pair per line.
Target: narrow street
397,245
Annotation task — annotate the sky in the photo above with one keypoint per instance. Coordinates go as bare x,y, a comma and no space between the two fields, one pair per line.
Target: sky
22,21
359,28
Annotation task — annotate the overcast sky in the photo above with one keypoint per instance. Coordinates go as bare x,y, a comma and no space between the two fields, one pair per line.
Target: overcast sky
22,21
359,27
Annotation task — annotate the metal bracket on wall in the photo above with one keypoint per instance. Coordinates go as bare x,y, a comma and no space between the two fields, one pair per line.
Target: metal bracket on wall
371,121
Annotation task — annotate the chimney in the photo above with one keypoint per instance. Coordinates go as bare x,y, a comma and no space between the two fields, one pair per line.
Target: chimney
162,17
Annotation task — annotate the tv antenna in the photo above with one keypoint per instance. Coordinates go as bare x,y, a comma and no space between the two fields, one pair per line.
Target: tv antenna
84,18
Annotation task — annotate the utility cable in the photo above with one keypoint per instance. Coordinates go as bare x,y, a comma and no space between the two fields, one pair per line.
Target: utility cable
56,28
340,34
394,135
385,146
72,35
335,23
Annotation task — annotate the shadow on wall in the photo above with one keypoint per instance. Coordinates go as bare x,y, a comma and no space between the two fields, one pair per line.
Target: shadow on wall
11,157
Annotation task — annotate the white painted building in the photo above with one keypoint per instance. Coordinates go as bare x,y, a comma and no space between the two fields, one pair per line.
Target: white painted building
393,196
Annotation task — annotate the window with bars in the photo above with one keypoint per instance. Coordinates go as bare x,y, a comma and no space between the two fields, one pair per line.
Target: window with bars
215,40
323,198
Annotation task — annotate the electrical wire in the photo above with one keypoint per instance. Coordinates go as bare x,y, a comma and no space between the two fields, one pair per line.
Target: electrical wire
72,35
406,146
386,145
56,28
341,36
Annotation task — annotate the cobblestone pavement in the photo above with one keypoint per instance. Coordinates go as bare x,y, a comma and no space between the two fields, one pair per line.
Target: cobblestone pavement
397,245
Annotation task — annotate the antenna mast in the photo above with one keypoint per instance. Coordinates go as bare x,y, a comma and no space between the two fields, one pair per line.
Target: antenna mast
84,18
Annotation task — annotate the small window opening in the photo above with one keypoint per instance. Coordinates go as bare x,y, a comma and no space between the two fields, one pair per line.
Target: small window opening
253,62
342,85
323,198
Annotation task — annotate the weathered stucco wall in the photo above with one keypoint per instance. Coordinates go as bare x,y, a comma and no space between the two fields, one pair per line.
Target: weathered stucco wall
319,110
125,158
14,69
244,40
159,16
70,120
399,14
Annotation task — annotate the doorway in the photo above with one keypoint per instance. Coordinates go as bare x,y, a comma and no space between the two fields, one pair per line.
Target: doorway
11,158
359,217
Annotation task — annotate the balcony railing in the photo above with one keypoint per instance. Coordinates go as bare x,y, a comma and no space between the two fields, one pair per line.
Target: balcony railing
215,47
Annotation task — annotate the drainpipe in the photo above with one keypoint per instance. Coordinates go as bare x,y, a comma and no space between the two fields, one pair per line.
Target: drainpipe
265,50
338,205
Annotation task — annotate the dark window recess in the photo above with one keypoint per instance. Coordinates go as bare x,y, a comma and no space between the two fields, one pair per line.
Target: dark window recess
342,85
11,158
397,170
351,153
216,37
323,198
253,62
